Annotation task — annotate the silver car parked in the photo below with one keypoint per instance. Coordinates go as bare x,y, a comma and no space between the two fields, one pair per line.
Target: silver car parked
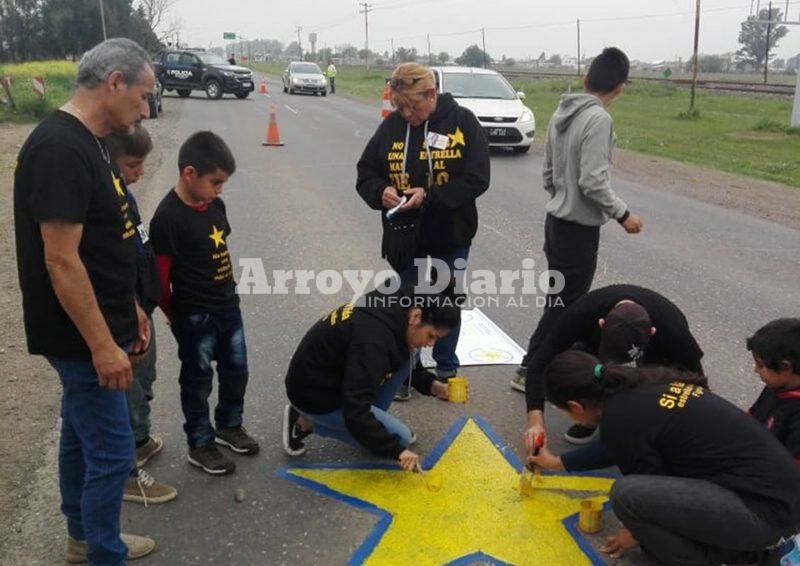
300,76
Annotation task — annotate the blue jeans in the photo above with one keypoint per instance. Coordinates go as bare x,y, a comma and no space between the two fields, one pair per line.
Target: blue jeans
95,458
203,338
331,425
444,351
141,392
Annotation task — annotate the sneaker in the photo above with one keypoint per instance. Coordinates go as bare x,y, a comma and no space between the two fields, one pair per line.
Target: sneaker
211,460
522,370
138,547
579,434
293,435
518,383
444,375
413,438
143,488
404,393
149,449
238,440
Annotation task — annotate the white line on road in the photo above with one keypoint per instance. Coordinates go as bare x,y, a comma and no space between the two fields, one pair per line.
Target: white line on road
290,109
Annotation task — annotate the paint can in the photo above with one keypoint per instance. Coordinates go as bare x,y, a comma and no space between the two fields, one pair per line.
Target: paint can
589,518
457,389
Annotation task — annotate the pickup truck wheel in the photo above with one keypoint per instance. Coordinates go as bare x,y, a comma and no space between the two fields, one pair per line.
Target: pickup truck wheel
153,106
184,92
213,89
242,95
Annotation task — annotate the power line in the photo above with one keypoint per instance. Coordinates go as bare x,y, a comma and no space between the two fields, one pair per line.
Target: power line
367,8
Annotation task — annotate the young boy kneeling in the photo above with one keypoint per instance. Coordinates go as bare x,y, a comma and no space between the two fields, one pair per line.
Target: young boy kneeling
348,367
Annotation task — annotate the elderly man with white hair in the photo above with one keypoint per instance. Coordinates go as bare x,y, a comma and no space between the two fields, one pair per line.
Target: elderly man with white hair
77,270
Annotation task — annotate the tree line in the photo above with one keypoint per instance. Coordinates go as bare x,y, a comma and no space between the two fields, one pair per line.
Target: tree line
64,29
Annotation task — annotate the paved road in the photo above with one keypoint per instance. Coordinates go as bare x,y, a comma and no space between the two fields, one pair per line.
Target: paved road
295,207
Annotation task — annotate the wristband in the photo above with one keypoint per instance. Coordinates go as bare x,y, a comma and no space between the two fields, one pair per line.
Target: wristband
624,217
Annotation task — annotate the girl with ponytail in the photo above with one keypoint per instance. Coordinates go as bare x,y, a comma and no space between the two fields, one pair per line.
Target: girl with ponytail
703,482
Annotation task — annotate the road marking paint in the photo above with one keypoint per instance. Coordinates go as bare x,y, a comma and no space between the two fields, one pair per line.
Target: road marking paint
290,109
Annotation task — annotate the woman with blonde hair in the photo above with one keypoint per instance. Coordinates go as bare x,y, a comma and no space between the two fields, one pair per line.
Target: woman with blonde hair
423,169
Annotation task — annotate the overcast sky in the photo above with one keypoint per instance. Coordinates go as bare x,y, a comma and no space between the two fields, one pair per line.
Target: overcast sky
648,30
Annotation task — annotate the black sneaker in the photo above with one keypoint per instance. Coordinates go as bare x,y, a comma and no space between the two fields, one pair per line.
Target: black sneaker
211,460
579,434
404,393
293,435
238,440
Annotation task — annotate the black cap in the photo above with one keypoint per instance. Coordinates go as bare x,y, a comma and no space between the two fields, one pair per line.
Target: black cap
625,334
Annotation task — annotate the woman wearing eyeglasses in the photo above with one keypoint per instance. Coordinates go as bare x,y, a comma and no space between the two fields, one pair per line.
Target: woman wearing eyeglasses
423,169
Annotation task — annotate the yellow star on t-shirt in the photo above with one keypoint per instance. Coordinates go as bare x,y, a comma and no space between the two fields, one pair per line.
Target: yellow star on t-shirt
457,138
477,515
216,235
117,184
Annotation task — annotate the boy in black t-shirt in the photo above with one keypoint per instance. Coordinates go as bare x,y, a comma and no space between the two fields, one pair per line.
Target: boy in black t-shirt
776,353
189,232
128,152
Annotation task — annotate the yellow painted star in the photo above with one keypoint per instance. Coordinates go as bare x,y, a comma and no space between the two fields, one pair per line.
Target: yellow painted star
217,236
117,184
477,515
457,138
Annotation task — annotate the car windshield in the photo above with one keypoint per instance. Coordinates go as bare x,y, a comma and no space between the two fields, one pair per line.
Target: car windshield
478,85
310,68
211,59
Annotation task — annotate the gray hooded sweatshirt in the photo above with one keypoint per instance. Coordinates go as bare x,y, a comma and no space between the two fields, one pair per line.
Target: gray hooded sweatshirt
580,140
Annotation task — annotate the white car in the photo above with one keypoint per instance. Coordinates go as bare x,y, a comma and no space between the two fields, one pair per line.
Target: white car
505,119
300,76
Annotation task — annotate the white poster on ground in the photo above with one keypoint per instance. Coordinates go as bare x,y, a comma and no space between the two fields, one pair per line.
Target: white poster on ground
481,343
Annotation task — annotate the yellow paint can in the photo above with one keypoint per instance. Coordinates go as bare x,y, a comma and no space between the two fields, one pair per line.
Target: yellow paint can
457,389
590,516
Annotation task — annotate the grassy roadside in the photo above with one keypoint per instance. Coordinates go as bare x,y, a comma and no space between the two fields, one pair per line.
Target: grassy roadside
738,134
59,79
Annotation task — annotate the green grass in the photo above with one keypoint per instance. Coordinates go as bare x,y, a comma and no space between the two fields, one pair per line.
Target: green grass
748,135
59,80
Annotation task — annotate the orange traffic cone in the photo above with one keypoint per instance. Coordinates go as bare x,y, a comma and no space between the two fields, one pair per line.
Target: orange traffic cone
273,135
262,88
386,105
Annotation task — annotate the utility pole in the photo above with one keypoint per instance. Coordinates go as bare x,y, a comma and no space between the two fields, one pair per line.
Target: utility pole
766,53
579,47
430,57
794,120
367,9
298,29
103,19
392,42
694,56
483,40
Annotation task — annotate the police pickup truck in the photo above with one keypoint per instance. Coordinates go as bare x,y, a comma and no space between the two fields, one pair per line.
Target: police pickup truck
186,70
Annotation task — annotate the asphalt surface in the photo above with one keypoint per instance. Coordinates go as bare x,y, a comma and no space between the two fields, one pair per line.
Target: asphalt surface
295,207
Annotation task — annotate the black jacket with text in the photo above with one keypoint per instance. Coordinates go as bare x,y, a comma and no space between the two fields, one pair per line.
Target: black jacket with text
343,360
449,217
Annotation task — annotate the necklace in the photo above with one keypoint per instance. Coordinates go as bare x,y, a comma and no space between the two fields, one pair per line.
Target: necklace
75,111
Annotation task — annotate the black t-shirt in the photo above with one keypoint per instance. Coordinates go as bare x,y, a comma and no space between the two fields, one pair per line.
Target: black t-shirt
62,174
779,411
202,272
672,345
687,431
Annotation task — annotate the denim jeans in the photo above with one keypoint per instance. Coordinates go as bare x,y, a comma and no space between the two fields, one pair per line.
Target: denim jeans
95,458
691,522
203,338
141,392
331,425
444,351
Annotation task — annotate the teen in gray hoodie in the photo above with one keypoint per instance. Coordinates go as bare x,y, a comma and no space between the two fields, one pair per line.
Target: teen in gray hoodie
576,174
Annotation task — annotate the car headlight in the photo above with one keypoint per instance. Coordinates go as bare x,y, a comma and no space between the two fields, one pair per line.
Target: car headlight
295,80
228,74
527,116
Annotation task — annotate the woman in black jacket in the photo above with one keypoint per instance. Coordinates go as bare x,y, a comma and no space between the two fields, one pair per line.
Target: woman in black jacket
348,367
433,153
704,483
